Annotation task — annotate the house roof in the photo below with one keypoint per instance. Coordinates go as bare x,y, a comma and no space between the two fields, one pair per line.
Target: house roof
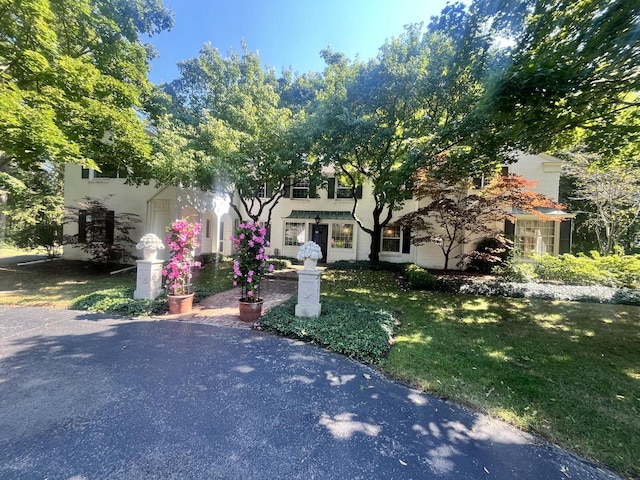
323,214
553,212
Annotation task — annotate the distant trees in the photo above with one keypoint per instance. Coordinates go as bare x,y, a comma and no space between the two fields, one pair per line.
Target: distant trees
610,191
457,213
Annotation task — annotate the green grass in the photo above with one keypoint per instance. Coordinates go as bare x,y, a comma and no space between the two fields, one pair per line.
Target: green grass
69,284
55,284
569,372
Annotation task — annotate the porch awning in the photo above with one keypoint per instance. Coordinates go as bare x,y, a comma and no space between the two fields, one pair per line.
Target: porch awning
323,214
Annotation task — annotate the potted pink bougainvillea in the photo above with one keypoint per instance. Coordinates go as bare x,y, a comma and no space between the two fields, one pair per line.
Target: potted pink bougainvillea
249,267
182,241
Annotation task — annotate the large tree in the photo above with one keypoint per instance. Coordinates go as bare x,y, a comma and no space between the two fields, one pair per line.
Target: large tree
73,75
412,106
240,133
574,70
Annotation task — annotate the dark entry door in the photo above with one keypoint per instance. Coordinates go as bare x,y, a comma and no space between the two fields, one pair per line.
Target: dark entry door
320,235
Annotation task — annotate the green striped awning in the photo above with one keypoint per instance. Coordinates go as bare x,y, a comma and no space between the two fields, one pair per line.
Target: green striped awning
323,214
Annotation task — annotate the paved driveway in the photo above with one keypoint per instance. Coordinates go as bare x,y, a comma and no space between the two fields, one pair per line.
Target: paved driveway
89,397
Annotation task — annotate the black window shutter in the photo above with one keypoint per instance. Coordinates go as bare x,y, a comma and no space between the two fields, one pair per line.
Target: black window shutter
509,229
359,191
268,191
110,225
85,172
82,226
565,236
267,237
406,240
312,190
331,188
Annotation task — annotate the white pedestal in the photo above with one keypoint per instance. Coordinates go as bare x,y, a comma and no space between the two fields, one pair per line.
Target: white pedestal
149,279
308,293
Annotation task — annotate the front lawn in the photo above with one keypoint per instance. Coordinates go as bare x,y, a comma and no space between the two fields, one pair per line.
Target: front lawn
67,284
567,371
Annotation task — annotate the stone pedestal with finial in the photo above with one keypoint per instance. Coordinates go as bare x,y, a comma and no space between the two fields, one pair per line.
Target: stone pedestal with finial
149,274
308,305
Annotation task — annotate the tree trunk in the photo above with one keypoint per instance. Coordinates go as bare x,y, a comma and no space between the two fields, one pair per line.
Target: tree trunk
374,252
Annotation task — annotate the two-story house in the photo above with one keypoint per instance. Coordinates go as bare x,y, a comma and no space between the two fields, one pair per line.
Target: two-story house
324,216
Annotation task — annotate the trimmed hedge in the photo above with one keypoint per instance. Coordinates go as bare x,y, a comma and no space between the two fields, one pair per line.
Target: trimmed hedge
363,332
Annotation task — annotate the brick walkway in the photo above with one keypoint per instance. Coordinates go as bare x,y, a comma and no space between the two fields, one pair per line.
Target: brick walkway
222,308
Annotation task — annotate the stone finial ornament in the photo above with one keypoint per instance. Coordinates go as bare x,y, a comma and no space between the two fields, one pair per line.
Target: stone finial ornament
150,244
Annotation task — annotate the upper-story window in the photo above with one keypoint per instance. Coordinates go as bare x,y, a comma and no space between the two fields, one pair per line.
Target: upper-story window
108,171
300,189
264,191
343,189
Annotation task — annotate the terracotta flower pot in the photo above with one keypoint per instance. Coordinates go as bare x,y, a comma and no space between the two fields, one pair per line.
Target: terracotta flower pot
180,303
250,311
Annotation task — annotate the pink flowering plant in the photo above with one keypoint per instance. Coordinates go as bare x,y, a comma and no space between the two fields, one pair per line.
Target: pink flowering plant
251,262
182,241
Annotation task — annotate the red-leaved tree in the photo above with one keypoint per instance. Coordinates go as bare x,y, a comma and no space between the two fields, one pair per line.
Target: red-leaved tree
457,213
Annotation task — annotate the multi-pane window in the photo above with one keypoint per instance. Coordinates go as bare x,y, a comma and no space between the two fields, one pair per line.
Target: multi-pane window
294,233
343,189
342,235
391,238
264,191
535,237
300,189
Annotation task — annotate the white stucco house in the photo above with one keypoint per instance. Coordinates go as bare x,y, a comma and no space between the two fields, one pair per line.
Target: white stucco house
298,218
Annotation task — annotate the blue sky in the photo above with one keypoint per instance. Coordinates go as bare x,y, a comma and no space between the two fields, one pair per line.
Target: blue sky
284,32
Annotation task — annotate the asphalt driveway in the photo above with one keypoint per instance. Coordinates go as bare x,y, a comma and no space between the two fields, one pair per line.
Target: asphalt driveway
90,397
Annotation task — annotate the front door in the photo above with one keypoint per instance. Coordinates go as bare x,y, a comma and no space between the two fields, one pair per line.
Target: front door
320,235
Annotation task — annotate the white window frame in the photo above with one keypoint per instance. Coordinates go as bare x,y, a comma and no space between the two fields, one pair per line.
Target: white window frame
300,186
341,227
533,236
300,236
385,231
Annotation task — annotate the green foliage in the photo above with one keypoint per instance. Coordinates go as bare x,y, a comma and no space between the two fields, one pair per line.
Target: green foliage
489,253
281,263
227,126
119,301
515,270
358,331
414,105
572,68
612,270
419,278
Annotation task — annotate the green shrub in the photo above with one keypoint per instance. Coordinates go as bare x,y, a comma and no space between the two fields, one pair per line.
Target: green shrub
514,270
612,271
489,253
419,278
119,301
362,332
281,263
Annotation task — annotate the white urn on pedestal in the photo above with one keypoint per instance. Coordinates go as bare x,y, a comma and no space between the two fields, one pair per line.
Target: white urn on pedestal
149,274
